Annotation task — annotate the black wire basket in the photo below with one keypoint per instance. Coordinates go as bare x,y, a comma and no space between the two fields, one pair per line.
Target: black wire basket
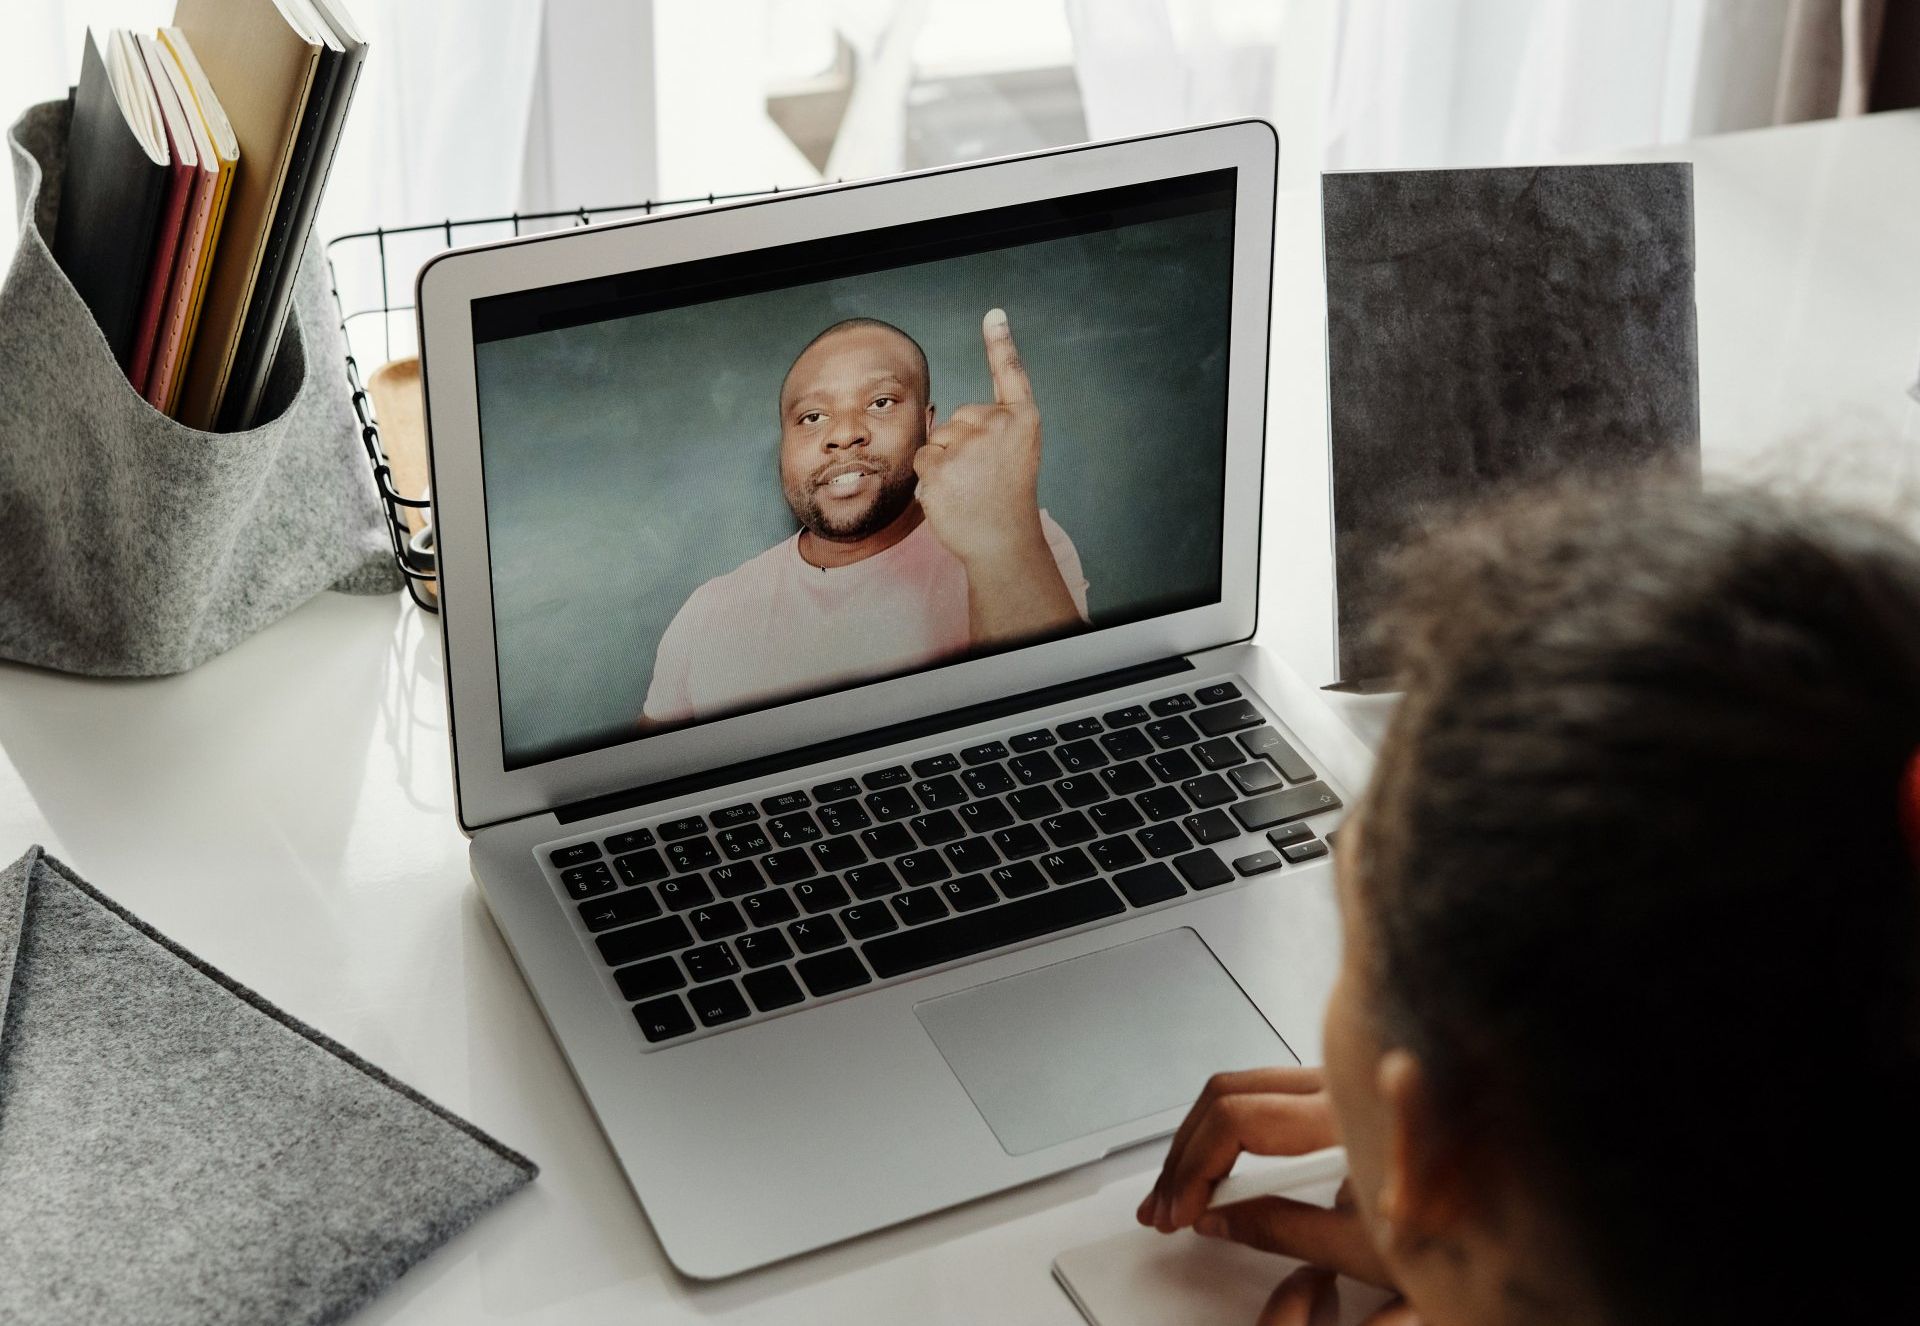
367,262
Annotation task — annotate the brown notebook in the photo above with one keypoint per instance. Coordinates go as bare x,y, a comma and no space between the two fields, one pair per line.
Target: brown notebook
261,61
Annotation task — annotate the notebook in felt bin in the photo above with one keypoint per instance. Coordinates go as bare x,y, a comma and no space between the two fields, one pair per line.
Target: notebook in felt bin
137,546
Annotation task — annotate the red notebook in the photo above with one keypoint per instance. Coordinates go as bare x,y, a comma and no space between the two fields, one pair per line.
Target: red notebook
192,146
181,174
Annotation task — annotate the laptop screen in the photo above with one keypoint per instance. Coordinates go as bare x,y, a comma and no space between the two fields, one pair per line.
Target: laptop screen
722,486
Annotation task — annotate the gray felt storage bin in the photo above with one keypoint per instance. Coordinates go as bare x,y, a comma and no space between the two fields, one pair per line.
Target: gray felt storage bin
131,545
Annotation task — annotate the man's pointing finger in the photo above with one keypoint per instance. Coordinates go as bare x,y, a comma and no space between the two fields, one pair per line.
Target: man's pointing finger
1010,385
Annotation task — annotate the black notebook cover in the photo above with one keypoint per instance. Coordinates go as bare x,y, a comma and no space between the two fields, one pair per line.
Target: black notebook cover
109,215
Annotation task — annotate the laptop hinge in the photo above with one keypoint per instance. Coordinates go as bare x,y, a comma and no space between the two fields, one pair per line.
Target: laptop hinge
872,739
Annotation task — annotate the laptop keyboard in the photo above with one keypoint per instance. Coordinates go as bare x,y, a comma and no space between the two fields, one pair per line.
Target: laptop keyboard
751,909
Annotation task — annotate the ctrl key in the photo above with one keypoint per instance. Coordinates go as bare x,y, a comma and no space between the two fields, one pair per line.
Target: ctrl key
663,1019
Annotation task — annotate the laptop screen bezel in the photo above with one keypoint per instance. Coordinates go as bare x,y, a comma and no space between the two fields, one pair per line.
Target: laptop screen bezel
486,791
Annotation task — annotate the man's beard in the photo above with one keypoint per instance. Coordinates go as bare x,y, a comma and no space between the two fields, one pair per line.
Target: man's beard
897,487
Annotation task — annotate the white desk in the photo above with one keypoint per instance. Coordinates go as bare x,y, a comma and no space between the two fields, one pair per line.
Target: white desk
285,810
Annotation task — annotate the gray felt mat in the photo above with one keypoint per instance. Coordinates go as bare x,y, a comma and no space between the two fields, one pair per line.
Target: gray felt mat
175,1149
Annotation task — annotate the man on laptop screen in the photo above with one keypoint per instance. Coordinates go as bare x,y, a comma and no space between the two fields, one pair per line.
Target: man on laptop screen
918,542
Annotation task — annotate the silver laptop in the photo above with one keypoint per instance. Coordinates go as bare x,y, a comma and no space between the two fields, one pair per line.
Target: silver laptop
846,599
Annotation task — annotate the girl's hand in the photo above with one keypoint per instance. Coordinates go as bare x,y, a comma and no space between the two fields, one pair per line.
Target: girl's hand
1308,1298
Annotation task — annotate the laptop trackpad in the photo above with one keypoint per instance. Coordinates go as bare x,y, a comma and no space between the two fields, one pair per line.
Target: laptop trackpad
1100,1040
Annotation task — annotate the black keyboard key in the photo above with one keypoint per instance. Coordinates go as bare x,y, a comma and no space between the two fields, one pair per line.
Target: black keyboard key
1078,730
1220,753
1067,867
734,816
1202,869
620,909
771,989
1032,803
641,867
1225,718
663,1019
936,764
739,844
762,947
992,927
685,827
939,793
1027,741
1170,732
1038,767
943,826
872,881
837,854
736,880
1019,879
985,754
989,780
985,816
880,778
1163,803
717,922
717,1003
631,840
927,867
969,893
1257,863
1217,692
867,919
1256,777
1116,853
1127,744
1267,743
1309,850
1081,757
687,891
785,803
691,854
893,803
710,963
973,854
1123,780
770,907
1290,833
1278,807
1211,826
1168,705
838,790
788,867
1019,841
1208,791
816,934
920,906
830,973
820,895
644,980
1128,717
1068,829
887,840
1173,766
1164,840
844,817
792,830
1149,884
1080,790
576,855
1116,817
587,881
649,939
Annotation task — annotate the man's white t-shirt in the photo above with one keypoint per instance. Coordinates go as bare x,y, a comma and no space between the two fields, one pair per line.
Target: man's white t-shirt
777,625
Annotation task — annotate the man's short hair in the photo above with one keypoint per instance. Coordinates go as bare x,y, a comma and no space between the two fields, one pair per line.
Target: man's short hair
847,324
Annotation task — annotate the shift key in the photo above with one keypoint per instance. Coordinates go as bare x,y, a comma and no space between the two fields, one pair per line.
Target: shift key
1294,803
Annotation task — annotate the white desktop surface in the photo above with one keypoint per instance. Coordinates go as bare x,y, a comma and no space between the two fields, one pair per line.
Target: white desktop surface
285,812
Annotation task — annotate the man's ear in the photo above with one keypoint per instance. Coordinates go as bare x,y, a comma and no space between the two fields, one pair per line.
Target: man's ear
1425,1195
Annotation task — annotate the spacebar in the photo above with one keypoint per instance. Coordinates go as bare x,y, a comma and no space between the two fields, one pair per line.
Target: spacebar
996,927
